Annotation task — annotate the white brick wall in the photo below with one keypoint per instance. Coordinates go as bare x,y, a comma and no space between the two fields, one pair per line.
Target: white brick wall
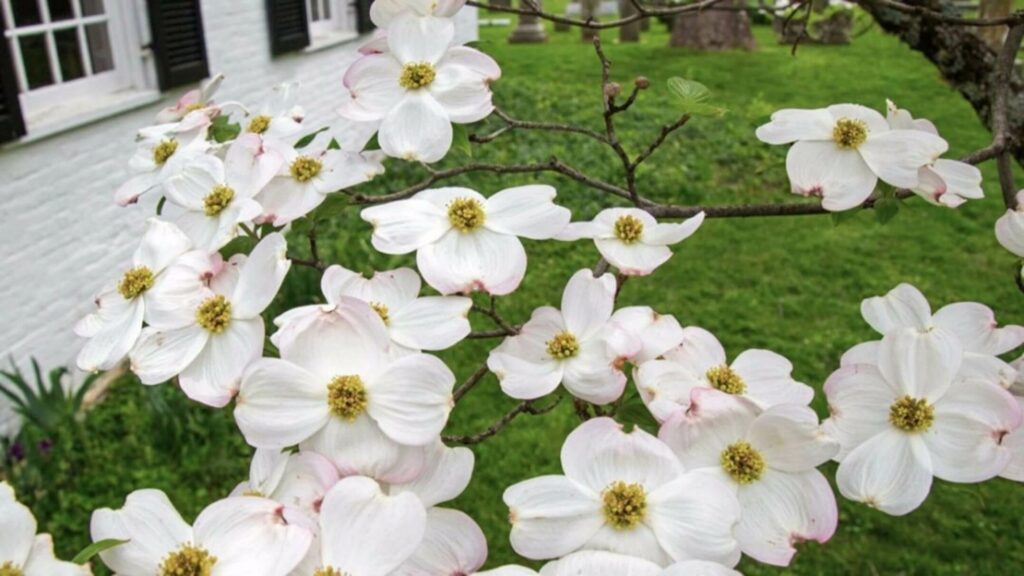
63,236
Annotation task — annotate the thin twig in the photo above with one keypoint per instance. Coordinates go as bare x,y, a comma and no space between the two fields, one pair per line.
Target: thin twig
469,383
525,407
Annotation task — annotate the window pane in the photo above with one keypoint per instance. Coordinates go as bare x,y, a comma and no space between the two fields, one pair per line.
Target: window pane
92,7
37,64
26,12
327,9
314,7
69,54
61,10
99,48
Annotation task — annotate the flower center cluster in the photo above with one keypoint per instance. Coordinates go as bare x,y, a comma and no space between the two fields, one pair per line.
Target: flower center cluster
381,311
466,214
135,281
305,168
259,124
911,414
742,462
628,228
164,150
214,314
194,106
329,571
563,345
346,396
726,379
9,569
850,133
416,75
218,199
188,560
624,504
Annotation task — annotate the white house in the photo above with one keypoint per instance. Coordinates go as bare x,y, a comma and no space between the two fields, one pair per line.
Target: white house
78,78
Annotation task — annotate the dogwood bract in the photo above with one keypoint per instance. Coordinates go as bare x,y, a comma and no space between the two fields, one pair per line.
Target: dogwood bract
839,153
770,459
162,152
22,551
625,493
906,418
245,535
1010,227
419,87
463,241
115,326
577,347
631,239
762,376
297,480
218,330
599,563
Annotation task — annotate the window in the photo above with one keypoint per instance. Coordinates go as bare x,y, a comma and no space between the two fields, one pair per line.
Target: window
330,19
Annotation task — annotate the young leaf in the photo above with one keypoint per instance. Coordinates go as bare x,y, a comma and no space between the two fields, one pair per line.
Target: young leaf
95,548
223,131
308,138
460,140
886,209
695,97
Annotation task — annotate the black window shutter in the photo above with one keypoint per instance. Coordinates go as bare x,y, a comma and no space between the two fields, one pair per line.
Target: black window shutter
363,22
289,29
178,42
12,125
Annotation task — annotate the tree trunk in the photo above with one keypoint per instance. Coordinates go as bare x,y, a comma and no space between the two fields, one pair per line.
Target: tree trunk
530,28
628,32
994,35
588,11
713,30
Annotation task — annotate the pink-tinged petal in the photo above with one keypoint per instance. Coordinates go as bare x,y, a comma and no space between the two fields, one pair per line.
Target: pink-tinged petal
161,244
163,354
249,165
112,331
446,475
478,260
1010,231
840,177
527,211
285,199
249,535
453,544
431,322
372,82
552,516
360,448
632,259
895,156
769,380
280,404
152,527
180,289
416,129
1014,444
891,471
587,303
900,119
790,440
214,377
305,479
129,192
669,234
599,563
781,510
261,277
344,339
989,369
694,518
17,528
903,307
863,353
366,531
920,364
190,186
665,387
962,180
858,401
791,125
595,373
463,93
407,225
413,39
699,351
698,568
657,333
975,325
42,562
714,420
970,422
411,399
599,452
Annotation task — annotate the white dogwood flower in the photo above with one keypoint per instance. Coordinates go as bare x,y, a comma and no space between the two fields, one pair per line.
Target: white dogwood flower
577,346
463,241
600,563
115,326
1010,228
384,12
625,493
162,152
907,418
193,105
217,329
245,535
419,87
839,153
22,551
762,376
770,458
656,333
1014,441
631,239
297,480
278,118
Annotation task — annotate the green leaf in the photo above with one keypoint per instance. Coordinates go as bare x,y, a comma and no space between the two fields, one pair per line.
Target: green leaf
886,209
222,130
308,138
160,205
95,548
695,97
373,144
634,411
460,140
844,216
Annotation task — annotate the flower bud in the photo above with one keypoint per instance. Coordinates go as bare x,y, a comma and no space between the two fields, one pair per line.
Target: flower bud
612,89
642,82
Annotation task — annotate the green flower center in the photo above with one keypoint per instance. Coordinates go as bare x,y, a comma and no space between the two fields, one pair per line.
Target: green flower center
164,150
218,199
911,414
849,133
563,345
214,314
726,379
629,228
194,106
742,462
9,569
188,560
259,124
416,75
466,214
381,311
329,571
135,281
346,396
305,168
624,504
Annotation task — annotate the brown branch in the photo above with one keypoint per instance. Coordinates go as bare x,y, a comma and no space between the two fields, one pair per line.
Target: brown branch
485,334
609,91
666,130
524,407
513,124
928,14
469,383
492,313
1001,137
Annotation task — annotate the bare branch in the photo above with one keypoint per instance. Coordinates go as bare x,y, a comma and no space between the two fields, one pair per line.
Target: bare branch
469,383
525,407
513,124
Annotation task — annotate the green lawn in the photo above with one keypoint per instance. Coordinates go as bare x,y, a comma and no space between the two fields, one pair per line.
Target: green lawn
793,285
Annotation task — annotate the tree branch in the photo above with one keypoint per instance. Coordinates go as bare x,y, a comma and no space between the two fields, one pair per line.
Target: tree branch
525,407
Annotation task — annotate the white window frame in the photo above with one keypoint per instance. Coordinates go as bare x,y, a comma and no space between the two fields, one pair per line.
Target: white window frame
342,20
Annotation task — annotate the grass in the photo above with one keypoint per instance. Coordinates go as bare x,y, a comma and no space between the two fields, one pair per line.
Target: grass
793,285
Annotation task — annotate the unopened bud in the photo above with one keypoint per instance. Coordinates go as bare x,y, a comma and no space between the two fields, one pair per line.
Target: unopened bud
642,82
612,89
